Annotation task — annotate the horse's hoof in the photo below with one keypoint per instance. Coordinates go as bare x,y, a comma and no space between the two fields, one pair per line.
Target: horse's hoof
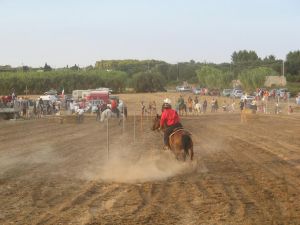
165,148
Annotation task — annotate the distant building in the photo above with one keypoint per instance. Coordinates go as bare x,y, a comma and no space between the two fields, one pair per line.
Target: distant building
275,81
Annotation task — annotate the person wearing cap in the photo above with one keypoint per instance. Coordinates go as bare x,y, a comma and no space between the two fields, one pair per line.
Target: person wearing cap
169,120
114,107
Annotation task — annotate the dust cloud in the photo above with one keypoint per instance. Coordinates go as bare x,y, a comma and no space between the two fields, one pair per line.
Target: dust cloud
137,165
37,154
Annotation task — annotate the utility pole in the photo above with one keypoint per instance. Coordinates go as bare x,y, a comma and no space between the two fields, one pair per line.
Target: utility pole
177,71
282,67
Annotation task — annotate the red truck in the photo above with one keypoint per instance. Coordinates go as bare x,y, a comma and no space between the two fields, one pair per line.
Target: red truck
98,95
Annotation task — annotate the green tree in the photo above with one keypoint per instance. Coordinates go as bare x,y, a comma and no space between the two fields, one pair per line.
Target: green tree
212,77
148,82
293,63
255,78
244,56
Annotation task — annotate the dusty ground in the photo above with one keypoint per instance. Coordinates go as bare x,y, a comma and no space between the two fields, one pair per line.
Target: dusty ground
54,173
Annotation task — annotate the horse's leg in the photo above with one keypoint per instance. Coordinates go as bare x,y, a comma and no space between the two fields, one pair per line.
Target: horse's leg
102,116
191,153
183,154
121,117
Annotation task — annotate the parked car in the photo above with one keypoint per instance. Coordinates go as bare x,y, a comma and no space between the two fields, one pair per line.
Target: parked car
226,92
183,89
247,97
236,93
282,92
197,91
51,92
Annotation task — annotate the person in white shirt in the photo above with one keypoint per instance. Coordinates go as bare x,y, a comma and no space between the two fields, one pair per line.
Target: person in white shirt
80,113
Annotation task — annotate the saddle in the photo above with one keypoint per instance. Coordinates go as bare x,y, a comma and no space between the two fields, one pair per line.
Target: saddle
179,129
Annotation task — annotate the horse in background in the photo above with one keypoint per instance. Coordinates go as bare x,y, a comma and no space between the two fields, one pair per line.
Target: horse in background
198,109
181,109
108,114
122,108
180,141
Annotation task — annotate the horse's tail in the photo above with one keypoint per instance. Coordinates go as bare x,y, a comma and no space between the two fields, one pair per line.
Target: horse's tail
186,143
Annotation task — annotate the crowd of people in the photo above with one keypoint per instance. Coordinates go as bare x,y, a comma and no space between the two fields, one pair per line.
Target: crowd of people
263,102
29,108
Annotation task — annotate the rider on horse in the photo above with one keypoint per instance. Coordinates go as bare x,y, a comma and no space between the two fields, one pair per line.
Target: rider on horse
170,120
114,107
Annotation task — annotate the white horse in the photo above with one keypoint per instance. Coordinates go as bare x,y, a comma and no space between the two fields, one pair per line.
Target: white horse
107,114
198,108
122,108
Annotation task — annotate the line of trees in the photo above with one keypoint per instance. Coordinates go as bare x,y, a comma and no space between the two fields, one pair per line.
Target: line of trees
150,75
39,82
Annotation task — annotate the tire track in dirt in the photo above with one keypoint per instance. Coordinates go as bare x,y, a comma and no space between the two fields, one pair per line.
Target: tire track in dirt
234,181
249,180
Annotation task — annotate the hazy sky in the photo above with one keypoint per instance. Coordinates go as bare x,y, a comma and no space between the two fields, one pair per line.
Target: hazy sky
62,32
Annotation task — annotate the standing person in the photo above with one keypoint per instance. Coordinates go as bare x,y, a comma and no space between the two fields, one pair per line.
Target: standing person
34,109
143,107
13,96
190,104
150,108
41,104
216,105
98,111
154,106
80,113
213,105
224,106
254,106
242,105
204,106
24,108
290,109
169,120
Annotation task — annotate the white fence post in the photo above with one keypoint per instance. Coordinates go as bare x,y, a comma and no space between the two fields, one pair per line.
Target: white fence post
107,137
134,127
123,123
288,106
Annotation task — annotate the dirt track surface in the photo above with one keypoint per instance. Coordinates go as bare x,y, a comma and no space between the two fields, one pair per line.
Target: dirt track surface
54,173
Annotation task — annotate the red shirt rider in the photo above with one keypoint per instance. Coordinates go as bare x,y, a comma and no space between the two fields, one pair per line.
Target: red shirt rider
170,117
113,104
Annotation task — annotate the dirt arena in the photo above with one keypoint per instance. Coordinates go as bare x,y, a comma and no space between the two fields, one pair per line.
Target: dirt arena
53,173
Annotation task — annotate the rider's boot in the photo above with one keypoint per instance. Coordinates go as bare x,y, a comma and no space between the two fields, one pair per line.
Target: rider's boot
166,147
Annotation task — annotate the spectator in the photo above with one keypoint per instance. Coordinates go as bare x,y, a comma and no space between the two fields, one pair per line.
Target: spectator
213,105
242,105
98,112
224,106
204,106
80,113
298,100
216,105
290,109
143,108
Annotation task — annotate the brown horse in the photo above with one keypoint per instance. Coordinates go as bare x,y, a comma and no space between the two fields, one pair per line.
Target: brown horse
180,141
